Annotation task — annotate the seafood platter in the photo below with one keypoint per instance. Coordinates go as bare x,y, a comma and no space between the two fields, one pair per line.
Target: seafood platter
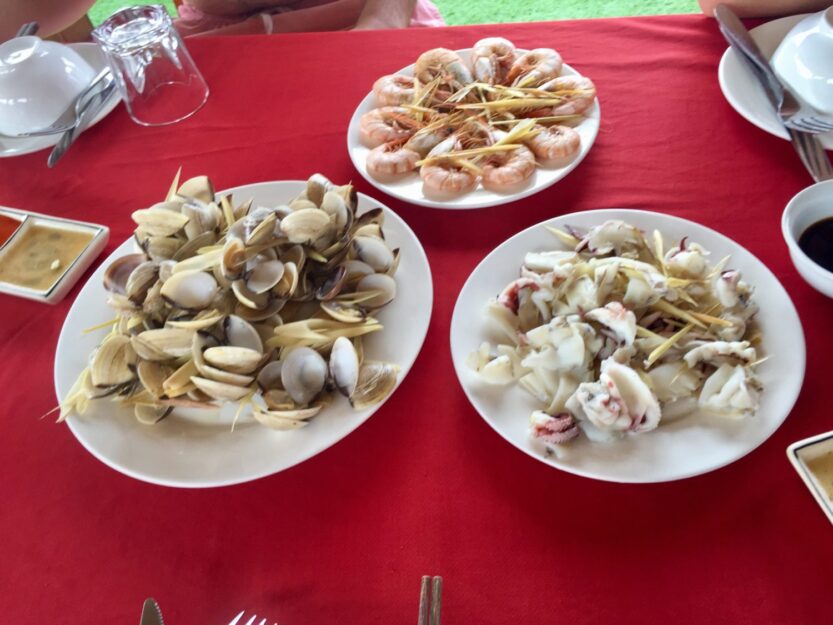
628,346
475,127
239,333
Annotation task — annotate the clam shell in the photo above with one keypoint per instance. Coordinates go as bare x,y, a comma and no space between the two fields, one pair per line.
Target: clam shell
344,366
220,390
190,290
249,298
161,248
300,203
373,251
233,259
179,382
286,286
383,283
203,341
305,225
317,186
303,374
344,312
149,414
202,218
114,362
264,231
280,420
167,342
140,280
332,285
265,275
265,314
118,272
191,247
159,222
240,333
152,375
234,359
269,377
376,381
199,188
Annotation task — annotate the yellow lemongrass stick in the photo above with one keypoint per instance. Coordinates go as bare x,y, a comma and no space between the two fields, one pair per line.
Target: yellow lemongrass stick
245,401
418,109
207,249
519,132
228,210
100,326
719,267
464,164
659,251
356,298
759,361
659,352
174,185
685,297
566,237
679,313
200,262
714,320
462,154
518,103
645,333
538,120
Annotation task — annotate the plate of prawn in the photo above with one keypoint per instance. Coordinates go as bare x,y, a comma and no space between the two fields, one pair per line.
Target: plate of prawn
571,382
475,127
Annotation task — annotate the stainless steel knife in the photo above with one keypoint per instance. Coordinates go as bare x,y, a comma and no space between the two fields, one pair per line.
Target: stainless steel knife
151,614
807,145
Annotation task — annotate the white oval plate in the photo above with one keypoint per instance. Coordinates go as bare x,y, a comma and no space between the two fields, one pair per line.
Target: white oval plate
184,450
742,90
91,53
409,189
683,448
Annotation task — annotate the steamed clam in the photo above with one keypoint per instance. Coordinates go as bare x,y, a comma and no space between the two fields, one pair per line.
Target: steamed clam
265,307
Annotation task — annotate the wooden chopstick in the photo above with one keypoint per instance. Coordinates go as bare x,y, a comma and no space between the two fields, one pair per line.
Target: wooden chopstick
424,592
430,592
436,600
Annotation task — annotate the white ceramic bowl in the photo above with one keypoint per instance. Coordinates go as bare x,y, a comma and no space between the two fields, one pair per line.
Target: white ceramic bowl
38,81
806,208
804,60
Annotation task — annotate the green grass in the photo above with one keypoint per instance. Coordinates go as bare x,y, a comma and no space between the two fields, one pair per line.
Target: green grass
102,9
497,11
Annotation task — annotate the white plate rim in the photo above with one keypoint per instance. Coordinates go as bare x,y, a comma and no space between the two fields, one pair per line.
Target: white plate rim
732,67
91,53
362,416
462,371
357,152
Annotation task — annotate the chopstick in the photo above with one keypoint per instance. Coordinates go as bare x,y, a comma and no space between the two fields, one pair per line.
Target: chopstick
431,592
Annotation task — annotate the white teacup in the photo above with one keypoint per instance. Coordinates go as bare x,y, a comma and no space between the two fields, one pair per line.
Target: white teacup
808,207
804,60
38,81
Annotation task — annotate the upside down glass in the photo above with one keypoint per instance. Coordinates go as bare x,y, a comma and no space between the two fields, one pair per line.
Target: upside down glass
156,76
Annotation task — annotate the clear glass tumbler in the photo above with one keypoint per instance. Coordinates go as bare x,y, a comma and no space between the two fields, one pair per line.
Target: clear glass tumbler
158,80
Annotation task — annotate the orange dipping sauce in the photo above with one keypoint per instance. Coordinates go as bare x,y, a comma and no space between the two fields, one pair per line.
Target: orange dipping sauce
8,225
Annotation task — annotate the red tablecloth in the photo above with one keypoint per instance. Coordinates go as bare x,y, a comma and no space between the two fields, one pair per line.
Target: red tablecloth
425,486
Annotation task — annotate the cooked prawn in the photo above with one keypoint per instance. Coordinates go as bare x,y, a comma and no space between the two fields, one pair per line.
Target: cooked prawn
386,124
390,161
555,146
443,63
578,93
508,172
443,181
534,67
394,89
491,59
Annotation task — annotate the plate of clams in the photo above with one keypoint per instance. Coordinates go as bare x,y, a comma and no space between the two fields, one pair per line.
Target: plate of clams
241,332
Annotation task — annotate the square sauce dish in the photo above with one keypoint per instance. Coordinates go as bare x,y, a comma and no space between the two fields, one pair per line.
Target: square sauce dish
41,257
813,459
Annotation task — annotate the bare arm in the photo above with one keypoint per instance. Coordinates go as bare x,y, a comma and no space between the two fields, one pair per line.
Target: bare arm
338,15
386,14
765,8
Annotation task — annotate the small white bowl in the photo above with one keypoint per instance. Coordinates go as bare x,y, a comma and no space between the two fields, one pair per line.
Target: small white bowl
803,60
38,81
801,455
806,208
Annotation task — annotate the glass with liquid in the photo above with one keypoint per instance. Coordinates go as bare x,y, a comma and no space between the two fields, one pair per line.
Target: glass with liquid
157,78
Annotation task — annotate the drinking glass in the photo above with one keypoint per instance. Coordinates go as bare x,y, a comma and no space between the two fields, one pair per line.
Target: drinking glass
156,76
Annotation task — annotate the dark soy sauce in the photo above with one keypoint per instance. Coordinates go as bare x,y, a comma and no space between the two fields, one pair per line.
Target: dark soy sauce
817,242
